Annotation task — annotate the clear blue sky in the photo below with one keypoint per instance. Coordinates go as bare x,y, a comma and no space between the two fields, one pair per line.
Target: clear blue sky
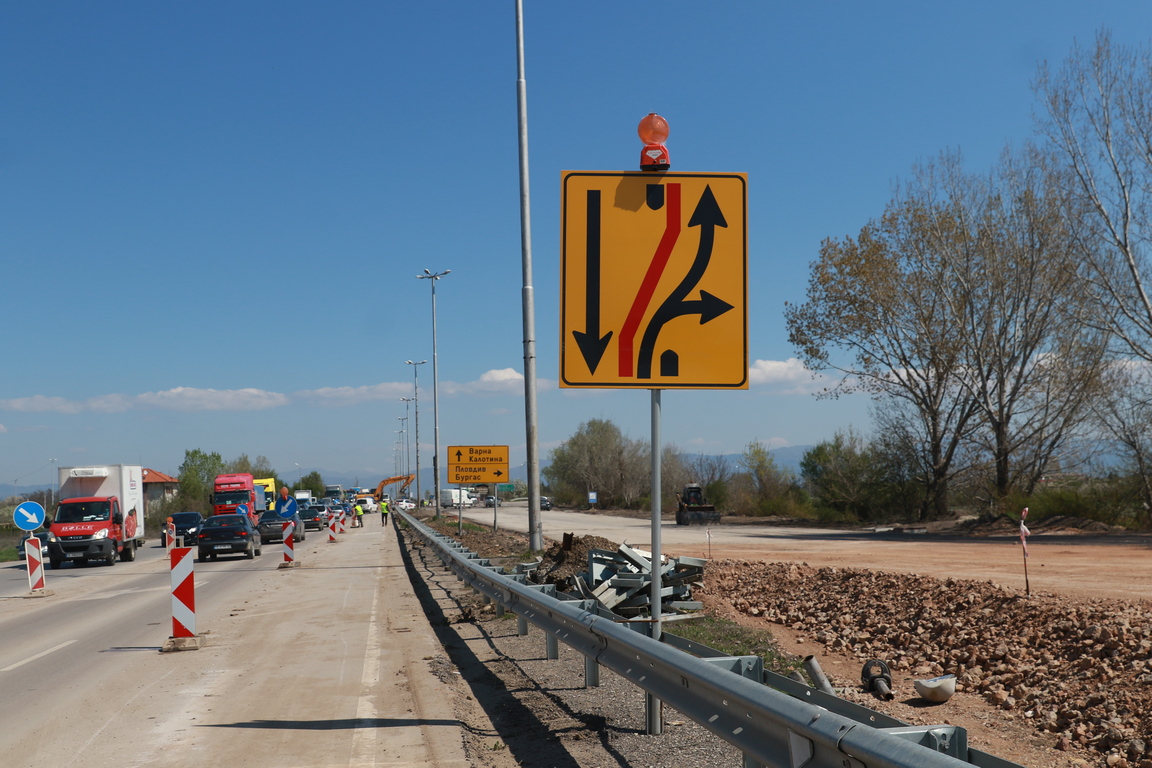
211,214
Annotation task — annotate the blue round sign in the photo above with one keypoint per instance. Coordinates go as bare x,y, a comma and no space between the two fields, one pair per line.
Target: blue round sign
287,509
241,509
29,516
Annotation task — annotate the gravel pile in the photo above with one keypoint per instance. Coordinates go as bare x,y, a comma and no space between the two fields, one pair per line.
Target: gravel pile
1078,669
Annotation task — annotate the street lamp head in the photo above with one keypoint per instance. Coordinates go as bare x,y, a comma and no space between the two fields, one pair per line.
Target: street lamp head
412,362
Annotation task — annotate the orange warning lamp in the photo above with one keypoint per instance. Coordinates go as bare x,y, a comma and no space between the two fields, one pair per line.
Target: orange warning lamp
653,131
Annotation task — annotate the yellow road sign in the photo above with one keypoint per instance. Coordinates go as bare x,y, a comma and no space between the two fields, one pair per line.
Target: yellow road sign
653,280
468,464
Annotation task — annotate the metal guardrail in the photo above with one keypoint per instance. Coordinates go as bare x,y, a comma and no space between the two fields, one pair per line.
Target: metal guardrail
771,719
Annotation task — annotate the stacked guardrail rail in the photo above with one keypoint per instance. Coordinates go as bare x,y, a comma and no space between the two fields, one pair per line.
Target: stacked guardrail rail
773,720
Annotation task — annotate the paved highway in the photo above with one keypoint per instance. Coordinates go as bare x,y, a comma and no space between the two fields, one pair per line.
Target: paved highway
321,665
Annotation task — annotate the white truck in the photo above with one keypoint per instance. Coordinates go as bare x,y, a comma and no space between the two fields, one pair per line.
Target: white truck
455,497
304,499
100,516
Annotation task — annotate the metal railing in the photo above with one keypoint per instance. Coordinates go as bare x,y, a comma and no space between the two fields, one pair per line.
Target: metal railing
773,720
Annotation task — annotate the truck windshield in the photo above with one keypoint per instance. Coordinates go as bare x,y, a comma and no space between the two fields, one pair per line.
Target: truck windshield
82,512
231,497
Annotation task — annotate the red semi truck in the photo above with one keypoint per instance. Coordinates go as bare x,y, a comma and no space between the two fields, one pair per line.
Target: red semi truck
100,516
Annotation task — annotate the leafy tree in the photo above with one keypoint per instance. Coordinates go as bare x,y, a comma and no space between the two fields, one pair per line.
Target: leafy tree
311,482
599,458
767,488
197,474
877,298
846,475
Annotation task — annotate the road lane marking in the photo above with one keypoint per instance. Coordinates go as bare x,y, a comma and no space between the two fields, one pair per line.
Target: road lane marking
364,735
11,667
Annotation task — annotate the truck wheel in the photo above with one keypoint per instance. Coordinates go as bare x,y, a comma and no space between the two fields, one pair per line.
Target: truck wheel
128,554
111,559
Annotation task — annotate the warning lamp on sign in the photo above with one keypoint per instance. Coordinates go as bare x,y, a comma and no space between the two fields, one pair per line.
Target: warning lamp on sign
653,131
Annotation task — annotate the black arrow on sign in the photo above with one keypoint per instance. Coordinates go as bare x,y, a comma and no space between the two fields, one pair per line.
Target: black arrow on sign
591,343
497,473
458,455
707,216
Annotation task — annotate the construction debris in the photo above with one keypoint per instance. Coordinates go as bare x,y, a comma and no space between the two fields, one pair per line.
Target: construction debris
621,579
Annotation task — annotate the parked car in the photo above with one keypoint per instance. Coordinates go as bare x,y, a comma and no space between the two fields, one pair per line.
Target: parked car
545,503
227,535
314,516
272,528
187,525
42,535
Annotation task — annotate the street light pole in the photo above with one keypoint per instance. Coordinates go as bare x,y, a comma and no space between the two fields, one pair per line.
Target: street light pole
434,276
407,441
527,296
404,446
416,402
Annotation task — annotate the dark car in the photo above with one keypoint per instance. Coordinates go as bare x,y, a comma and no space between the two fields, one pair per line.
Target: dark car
545,503
42,535
227,535
187,526
272,528
314,516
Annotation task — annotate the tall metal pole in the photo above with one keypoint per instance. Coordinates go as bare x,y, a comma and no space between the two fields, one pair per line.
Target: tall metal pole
434,277
535,531
403,445
407,441
416,401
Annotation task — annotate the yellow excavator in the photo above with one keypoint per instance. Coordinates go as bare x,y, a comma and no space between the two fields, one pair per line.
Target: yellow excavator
406,480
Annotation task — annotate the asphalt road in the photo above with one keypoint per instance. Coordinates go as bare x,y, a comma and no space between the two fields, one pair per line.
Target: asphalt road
320,665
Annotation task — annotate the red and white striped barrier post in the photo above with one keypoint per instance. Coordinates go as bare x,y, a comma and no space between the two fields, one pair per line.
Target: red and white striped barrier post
343,527
289,530
332,528
184,637
170,536
35,561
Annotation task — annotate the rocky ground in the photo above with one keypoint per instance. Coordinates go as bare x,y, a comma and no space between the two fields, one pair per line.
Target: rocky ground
1043,680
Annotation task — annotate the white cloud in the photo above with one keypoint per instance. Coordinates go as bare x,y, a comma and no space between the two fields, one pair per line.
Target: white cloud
41,404
502,381
191,399
787,377
342,396
3,429
178,399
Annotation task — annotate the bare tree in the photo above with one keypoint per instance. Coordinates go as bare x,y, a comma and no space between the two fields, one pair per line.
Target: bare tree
1124,412
1097,115
1032,350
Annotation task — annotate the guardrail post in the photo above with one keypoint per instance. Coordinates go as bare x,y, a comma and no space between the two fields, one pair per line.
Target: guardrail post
591,672
551,646
521,626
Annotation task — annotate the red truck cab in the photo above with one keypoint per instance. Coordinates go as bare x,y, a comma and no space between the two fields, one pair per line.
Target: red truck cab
91,529
230,491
